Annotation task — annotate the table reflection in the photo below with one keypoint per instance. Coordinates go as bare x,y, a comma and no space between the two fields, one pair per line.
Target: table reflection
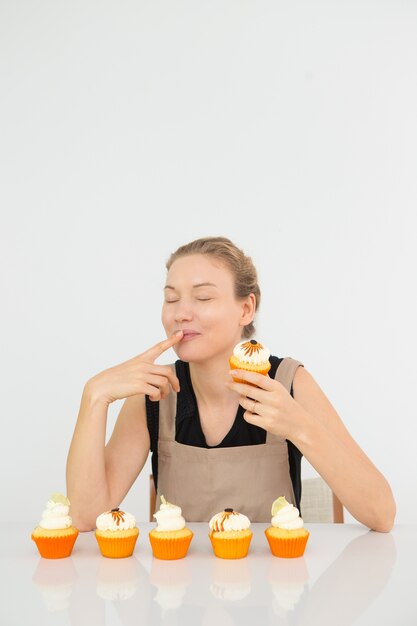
117,579
289,583
55,580
126,582
171,579
203,589
231,580
353,581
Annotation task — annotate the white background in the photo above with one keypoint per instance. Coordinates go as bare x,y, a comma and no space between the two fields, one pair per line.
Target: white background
130,128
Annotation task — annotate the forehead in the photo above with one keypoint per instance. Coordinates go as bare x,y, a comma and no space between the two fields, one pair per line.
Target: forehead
195,269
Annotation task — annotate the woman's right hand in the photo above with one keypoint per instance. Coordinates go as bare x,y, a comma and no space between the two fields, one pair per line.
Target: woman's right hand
137,376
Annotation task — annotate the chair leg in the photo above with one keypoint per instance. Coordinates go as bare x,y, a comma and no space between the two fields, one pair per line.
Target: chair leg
152,498
338,517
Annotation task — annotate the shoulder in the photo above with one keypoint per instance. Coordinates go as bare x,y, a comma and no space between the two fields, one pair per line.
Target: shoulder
305,386
303,380
308,393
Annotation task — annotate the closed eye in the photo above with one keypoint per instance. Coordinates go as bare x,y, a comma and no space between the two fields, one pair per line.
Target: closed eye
200,299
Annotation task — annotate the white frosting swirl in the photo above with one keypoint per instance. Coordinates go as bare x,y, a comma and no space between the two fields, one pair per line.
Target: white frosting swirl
55,516
288,518
229,520
169,517
115,520
254,354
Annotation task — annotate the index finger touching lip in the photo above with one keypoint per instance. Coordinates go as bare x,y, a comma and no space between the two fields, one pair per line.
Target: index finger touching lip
164,345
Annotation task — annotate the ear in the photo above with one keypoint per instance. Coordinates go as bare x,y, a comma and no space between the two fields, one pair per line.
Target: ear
248,310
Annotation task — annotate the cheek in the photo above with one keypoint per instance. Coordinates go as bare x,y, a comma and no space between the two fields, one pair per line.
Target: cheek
211,313
222,316
166,317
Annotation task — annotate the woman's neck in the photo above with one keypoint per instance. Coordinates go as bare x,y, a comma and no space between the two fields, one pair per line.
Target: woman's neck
208,380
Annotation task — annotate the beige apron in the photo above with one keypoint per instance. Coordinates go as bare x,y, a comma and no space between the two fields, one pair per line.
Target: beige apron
204,481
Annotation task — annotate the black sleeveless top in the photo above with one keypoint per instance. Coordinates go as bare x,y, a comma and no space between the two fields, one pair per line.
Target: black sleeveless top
188,429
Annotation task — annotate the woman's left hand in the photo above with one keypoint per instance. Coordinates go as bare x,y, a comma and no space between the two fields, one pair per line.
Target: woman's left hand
268,404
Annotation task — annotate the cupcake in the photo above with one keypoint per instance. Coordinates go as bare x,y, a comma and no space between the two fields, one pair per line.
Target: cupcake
251,356
170,539
230,535
287,536
116,533
55,536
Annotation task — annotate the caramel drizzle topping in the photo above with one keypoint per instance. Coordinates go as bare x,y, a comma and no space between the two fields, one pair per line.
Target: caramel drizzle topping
117,515
218,524
250,348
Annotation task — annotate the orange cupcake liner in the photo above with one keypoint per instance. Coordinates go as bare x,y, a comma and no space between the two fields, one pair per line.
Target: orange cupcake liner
55,547
231,548
287,548
117,547
264,371
170,549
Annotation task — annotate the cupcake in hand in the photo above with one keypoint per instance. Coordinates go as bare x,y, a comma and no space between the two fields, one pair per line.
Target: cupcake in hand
116,533
230,535
170,539
287,536
251,356
55,535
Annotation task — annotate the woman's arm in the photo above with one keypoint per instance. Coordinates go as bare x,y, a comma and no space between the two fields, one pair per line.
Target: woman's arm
99,476
312,424
87,487
327,445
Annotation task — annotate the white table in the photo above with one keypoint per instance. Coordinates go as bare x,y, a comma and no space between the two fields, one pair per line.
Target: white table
348,575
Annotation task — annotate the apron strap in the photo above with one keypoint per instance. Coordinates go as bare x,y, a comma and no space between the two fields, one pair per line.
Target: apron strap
167,413
286,372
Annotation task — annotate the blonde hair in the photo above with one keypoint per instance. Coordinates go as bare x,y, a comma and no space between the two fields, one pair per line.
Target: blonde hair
241,266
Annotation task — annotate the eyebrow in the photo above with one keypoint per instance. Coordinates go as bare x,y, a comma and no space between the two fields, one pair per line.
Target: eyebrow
194,286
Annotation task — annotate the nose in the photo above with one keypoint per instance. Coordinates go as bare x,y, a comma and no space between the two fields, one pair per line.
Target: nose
183,313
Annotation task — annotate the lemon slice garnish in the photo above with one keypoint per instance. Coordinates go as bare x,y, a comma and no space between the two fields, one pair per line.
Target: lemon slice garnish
278,504
59,498
165,501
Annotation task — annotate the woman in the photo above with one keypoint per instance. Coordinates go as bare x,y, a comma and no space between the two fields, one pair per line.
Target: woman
213,438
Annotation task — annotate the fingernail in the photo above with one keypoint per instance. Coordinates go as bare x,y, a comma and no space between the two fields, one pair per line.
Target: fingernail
178,333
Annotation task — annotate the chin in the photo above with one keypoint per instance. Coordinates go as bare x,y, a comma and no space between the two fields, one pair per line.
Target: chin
186,354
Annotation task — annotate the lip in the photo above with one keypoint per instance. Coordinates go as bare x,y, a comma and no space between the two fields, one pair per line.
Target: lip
188,335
